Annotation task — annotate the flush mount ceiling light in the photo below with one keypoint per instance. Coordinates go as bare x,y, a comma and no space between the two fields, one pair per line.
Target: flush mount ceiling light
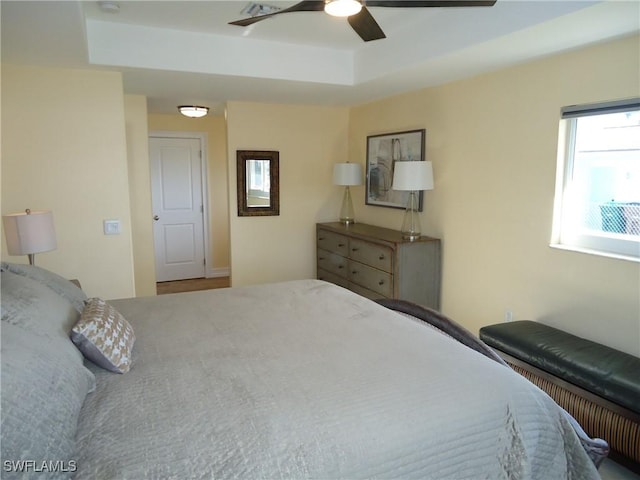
342,8
193,111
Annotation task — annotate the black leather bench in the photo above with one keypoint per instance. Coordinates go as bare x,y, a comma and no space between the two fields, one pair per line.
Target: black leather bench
598,385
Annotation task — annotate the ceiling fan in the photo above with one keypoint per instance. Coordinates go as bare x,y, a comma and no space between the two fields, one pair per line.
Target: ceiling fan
357,13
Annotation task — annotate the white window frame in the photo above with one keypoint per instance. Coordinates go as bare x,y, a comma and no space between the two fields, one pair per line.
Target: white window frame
565,233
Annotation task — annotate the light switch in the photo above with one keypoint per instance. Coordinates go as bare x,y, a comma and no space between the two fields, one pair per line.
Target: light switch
112,227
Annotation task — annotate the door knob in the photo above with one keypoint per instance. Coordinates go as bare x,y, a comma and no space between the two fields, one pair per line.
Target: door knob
156,218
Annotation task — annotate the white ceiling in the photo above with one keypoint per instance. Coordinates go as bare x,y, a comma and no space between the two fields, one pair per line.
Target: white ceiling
183,52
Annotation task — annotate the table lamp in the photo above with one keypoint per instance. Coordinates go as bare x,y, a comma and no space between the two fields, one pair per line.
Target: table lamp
29,233
347,174
413,177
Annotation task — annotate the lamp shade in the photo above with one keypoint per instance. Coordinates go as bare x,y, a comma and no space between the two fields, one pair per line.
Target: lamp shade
29,232
412,176
347,174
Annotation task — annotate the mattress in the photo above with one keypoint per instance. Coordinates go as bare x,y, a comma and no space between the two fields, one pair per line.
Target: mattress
309,380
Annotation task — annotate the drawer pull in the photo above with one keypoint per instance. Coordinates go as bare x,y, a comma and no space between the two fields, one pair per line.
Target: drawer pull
340,267
354,249
341,244
354,272
381,257
320,258
381,282
320,239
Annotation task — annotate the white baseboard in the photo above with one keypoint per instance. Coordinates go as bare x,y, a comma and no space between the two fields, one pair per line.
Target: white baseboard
217,272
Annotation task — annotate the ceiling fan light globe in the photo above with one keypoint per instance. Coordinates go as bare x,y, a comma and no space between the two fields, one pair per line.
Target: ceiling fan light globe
342,8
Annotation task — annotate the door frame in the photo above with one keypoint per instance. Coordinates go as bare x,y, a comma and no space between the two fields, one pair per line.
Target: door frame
202,136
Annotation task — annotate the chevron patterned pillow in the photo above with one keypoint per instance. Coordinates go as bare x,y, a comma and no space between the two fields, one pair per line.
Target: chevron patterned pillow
104,336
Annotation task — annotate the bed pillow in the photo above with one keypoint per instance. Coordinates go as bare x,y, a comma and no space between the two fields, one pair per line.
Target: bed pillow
44,382
55,282
104,336
43,389
33,306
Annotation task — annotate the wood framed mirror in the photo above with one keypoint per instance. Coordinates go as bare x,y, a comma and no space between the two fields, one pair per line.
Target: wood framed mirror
258,182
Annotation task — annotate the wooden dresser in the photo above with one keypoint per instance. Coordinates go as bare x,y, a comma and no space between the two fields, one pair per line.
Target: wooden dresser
377,262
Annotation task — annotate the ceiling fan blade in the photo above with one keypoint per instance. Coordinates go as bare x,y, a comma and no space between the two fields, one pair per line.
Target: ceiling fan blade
366,26
305,6
429,3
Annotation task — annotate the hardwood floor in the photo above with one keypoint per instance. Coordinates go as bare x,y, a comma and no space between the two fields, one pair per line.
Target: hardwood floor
192,285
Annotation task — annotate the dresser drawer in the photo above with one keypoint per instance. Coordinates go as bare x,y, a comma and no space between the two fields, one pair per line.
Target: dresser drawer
377,256
332,262
333,242
371,278
365,292
332,278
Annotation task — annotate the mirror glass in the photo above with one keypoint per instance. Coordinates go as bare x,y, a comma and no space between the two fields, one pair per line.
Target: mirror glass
258,188
258,184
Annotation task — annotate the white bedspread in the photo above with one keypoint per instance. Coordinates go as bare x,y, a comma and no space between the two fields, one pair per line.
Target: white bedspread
308,380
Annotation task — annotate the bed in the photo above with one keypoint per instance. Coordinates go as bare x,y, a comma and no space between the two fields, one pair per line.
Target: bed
293,380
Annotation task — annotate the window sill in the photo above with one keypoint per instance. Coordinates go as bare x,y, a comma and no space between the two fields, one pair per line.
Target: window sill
599,253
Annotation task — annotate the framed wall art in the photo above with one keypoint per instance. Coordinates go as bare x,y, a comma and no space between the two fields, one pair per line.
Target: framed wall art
382,153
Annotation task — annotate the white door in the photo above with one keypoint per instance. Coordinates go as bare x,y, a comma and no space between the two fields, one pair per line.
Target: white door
177,199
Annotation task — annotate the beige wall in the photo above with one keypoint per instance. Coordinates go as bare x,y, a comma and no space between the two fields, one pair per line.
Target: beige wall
310,140
144,266
215,129
492,141
64,149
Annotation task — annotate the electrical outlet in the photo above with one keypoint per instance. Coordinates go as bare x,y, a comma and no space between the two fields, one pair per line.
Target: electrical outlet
508,315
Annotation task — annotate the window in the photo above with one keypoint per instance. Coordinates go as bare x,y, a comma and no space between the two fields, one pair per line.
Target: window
597,205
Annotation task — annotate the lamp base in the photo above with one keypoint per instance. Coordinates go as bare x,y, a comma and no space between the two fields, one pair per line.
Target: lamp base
410,237
411,223
346,211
